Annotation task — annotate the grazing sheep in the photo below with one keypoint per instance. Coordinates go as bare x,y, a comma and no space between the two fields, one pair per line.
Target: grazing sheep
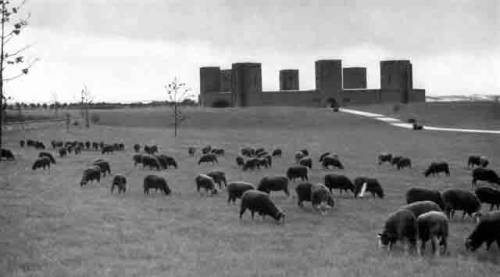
395,160
236,189
206,182
42,162
331,161
400,226
104,166
318,195
260,150
206,149
90,174
295,172
95,146
7,154
219,178
264,162
218,151
208,158
487,230
404,162
120,182
137,159
166,161
62,152
489,196
305,152
39,145
433,226
306,162
326,154
137,148
421,207
274,183
340,182
421,194
262,154
240,161
436,168
363,184
484,174
48,155
107,149
247,151
298,156
87,145
260,202
479,161
251,164
269,160
457,199
384,157
156,182
277,153
191,151
151,162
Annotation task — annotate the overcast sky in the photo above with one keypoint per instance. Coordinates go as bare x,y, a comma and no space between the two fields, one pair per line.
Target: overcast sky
128,50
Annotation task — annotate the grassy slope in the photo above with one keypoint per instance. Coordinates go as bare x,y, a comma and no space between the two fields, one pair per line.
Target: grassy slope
52,227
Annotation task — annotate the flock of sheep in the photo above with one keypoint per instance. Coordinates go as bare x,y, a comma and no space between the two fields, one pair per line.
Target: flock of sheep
425,217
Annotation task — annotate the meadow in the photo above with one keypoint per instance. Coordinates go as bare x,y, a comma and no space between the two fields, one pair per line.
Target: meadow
50,226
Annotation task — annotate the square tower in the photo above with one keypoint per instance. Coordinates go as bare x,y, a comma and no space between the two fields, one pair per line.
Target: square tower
289,79
397,75
246,80
329,80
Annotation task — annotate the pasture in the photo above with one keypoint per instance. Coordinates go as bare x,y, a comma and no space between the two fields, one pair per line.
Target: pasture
50,226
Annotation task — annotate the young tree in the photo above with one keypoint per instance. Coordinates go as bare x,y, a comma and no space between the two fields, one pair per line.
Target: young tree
86,101
177,92
11,25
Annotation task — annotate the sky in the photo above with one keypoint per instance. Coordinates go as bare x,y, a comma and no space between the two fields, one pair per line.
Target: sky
127,51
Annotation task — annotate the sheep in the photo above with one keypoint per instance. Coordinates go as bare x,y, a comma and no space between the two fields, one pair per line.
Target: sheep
151,162
191,151
90,174
457,199
421,194
264,162
331,161
107,149
120,182
219,178
362,184
318,195
260,202
206,182
274,183
7,154
384,157
62,152
156,182
247,151
400,226
236,189
48,155
240,161
421,207
479,161
489,196
340,182
251,164
295,172
42,162
104,166
436,168
484,174
276,153
137,159
217,151
22,143
433,226
137,148
326,154
487,230
395,160
404,162
298,156
208,158
206,149
306,162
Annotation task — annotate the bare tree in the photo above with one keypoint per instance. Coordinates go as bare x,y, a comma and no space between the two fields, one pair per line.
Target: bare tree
86,101
177,92
12,23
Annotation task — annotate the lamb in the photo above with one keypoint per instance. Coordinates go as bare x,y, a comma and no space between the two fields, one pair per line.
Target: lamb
433,226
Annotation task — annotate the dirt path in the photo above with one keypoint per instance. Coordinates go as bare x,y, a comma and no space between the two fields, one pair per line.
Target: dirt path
398,123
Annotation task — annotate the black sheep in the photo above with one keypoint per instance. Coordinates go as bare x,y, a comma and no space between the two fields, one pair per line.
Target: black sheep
120,182
218,151
400,226
104,166
107,149
484,174
298,156
90,174
48,155
319,196
151,162
487,230
206,182
395,160
460,200
331,161
208,158
206,149
384,157
7,154
264,162
251,164
236,189
260,202
436,168
305,152
433,226
306,162
340,182
274,183
156,182
276,153
137,148
247,151
62,152
363,184
137,159
489,196
326,154
421,207
404,162
219,178
240,161
477,161
295,172
42,162
421,194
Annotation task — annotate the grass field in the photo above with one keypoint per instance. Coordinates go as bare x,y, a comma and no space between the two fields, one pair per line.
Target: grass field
49,226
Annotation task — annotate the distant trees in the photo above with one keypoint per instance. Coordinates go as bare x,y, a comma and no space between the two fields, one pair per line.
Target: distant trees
177,93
